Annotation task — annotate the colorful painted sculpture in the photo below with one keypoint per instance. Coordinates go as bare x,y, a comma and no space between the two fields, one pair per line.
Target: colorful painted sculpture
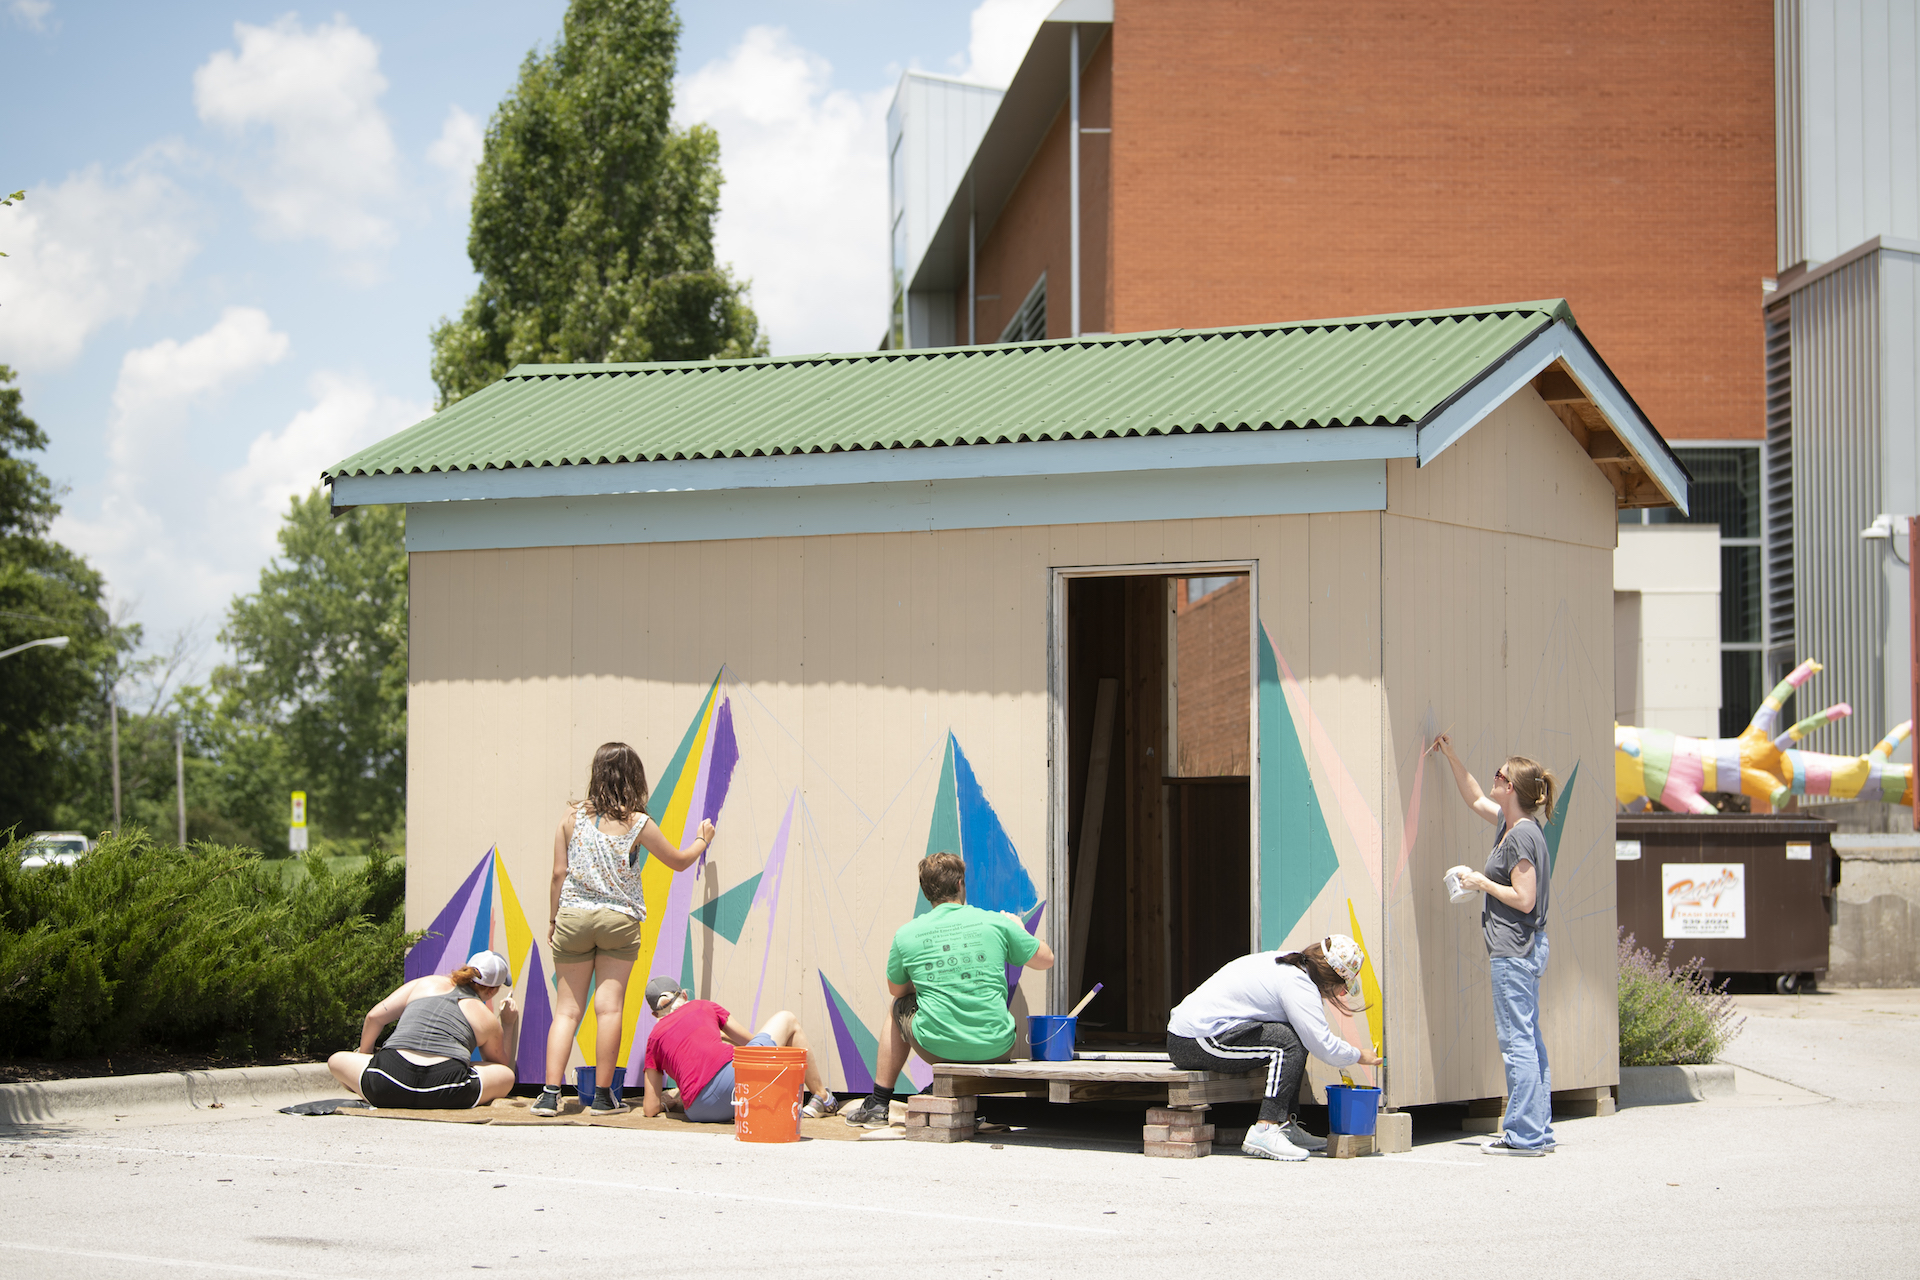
1868,777
1674,769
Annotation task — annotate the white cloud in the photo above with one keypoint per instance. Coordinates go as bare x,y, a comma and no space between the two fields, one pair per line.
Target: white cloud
999,32
83,253
803,212
456,152
347,414
159,383
330,170
169,536
31,13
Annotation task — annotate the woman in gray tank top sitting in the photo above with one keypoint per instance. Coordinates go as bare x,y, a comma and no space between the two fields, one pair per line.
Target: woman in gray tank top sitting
1513,916
427,1061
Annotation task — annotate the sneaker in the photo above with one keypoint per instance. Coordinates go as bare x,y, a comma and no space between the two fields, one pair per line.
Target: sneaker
1501,1147
548,1103
819,1105
1269,1142
868,1113
605,1104
1300,1137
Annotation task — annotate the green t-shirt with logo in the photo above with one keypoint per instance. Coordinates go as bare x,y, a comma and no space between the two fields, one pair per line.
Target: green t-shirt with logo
956,956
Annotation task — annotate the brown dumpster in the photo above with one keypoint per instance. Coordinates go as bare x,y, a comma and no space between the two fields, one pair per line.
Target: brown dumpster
1744,894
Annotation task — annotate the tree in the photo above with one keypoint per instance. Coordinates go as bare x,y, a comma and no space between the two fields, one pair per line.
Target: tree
317,700
593,217
45,590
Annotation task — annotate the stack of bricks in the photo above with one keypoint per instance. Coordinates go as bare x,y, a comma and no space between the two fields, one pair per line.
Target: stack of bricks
1180,1133
931,1119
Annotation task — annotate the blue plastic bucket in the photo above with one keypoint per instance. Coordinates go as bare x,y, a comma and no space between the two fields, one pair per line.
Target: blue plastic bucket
1352,1109
583,1085
1052,1037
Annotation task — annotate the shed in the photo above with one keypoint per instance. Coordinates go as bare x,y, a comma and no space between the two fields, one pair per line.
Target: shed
1151,628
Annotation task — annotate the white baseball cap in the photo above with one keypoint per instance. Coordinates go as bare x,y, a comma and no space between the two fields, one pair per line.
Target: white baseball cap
493,969
1345,956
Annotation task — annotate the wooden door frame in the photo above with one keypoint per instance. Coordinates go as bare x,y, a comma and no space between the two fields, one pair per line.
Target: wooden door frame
1059,934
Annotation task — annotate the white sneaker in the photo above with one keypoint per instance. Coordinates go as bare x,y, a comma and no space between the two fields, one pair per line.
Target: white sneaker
1269,1142
820,1104
1300,1137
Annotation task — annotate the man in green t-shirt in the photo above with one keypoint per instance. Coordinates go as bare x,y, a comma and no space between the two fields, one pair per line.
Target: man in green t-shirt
947,973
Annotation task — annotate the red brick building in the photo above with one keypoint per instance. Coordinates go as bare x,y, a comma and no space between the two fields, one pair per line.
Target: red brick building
1245,161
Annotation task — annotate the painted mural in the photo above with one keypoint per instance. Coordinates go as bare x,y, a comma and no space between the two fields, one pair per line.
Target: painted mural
484,914
1304,889
1653,764
733,926
767,921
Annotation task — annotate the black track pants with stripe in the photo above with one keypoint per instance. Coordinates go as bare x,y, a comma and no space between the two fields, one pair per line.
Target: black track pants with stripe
1272,1047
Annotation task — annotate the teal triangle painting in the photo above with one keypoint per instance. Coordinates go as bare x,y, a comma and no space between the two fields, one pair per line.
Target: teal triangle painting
1559,819
943,831
1297,857
726,915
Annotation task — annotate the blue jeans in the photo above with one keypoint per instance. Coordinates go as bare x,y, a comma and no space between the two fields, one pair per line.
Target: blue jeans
715,1103
1516,1017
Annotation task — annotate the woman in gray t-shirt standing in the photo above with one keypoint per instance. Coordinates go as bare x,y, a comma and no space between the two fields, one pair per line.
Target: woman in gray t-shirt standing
1513,915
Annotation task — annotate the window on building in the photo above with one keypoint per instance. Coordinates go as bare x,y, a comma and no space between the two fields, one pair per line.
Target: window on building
1029,323
1727,492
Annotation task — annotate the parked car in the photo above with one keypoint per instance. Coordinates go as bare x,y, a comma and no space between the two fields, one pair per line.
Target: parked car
55,848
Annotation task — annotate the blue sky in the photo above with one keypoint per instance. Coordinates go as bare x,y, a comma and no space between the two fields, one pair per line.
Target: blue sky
243,219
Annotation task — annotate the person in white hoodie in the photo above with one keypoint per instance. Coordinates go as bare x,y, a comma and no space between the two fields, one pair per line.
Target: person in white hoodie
1264,1010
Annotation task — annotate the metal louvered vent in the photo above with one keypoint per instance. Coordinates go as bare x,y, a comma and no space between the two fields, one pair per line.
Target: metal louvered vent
1779,493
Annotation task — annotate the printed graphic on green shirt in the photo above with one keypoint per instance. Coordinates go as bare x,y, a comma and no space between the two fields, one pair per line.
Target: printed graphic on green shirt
956,956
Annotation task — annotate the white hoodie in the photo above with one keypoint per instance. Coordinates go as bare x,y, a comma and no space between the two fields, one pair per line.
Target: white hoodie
1254,989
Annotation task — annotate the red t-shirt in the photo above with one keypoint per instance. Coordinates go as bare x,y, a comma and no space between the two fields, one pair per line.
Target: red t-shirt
687,1045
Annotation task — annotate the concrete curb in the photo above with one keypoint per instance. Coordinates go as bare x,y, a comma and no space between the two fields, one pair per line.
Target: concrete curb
185,1092
1661,1086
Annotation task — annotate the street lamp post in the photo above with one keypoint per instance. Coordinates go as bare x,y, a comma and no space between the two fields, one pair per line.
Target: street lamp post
180,778
52,642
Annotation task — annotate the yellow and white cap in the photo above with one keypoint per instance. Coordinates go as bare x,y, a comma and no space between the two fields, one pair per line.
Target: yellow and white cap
1344,954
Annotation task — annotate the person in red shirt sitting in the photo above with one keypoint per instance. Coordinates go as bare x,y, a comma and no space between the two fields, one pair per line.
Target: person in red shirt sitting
693,1042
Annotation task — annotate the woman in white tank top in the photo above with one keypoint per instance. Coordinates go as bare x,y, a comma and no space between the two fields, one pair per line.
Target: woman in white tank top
597,905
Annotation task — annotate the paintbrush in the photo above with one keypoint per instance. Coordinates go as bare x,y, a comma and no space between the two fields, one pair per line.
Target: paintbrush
1086,999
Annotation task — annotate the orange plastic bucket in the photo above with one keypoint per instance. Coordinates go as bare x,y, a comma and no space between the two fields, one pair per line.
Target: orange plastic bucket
766,1093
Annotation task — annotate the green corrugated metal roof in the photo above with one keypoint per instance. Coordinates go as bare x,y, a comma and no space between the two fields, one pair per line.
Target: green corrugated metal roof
1363,371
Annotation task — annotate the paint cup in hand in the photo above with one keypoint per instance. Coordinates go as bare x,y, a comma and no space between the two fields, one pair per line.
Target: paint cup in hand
1456,891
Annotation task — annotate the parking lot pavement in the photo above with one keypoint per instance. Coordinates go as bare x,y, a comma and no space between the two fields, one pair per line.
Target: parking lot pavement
1810,1172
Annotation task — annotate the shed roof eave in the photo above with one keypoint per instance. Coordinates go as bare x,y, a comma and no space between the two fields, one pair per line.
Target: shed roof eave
1303,446
1559,341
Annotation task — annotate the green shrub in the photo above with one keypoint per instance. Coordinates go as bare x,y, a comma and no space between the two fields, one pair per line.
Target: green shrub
145,945
1670,1015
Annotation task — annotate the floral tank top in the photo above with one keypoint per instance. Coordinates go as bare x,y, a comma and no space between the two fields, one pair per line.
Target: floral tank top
598,873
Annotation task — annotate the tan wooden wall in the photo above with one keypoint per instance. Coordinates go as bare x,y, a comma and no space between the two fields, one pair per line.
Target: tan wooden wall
1498,615
850,659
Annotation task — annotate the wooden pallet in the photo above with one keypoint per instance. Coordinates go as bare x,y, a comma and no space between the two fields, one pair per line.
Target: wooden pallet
1176,1129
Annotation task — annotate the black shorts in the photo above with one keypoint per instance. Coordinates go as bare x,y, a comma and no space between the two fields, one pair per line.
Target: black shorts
390,1080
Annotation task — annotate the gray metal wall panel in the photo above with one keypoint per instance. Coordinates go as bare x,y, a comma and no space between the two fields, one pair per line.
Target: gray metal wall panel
1789,203
1838,611
1899,461
1852,100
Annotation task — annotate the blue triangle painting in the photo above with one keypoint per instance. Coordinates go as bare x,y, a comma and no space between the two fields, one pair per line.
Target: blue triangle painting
963,817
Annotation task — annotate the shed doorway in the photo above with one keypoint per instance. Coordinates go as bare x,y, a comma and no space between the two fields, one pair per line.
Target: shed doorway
1158,740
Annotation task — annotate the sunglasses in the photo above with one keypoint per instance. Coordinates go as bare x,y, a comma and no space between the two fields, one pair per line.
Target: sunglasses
1500,776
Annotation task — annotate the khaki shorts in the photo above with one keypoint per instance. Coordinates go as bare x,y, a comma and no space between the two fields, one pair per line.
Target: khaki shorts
581,934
